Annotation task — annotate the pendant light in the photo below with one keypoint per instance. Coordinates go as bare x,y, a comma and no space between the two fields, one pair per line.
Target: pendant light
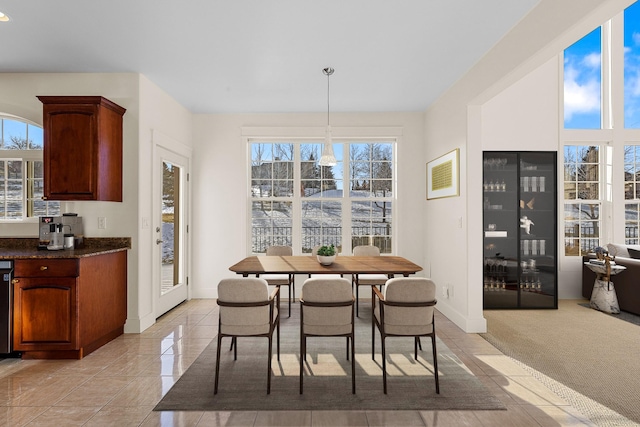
328,158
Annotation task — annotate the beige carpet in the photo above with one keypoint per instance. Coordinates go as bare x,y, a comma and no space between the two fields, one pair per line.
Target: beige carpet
327,382
593,353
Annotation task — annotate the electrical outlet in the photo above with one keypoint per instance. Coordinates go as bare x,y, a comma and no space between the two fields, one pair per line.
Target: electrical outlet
445,292
102,223
450,290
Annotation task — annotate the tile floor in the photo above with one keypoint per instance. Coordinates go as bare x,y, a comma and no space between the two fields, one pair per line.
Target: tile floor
120,383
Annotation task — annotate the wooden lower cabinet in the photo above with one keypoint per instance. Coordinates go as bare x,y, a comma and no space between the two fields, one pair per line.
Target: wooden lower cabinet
65,308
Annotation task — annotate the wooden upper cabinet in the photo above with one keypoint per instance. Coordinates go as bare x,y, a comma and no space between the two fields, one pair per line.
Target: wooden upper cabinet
82,148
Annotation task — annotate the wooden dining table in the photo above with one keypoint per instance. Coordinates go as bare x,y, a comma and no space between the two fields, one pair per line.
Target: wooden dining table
307,264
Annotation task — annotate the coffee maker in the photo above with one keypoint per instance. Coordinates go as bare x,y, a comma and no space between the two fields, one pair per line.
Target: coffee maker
54,229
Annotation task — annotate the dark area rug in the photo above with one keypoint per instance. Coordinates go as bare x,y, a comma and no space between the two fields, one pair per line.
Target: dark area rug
327,381
623,315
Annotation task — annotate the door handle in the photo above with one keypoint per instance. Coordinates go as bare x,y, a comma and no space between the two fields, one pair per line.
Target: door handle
158,241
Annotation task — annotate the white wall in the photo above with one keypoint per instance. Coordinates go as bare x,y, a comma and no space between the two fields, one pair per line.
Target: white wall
160,115
148,107
19,93
524,117
483,111
220,193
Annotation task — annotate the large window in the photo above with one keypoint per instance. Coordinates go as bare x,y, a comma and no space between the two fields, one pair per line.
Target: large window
631,193
632,66
21,171
583,83
582,204
600,104
297,202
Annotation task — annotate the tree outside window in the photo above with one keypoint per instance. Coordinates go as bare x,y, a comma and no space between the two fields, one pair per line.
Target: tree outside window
21,172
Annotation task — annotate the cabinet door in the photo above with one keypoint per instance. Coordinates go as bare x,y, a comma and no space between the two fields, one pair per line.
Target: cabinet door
45,314
70,152
538,225
500,207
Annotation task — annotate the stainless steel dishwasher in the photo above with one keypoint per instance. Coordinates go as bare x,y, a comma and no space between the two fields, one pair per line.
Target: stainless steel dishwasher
6,272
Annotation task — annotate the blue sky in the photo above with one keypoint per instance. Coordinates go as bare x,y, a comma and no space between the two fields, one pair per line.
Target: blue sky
582,82
582,76
632,66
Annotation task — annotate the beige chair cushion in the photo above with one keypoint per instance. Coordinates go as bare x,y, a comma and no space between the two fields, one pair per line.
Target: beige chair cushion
366,251
276,279
279,251
621,250
372,279
408,320
244,320
369,279
327,320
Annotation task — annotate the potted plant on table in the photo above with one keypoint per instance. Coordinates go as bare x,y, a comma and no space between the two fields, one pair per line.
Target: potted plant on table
326,254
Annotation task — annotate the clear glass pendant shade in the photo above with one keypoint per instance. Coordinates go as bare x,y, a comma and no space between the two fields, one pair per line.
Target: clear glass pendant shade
328,158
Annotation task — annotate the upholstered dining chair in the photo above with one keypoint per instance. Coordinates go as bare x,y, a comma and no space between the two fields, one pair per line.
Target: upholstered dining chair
405,309
326,310
247,310
367,279
281,279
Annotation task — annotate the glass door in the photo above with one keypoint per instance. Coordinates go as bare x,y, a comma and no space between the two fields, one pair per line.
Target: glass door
520,230
170,230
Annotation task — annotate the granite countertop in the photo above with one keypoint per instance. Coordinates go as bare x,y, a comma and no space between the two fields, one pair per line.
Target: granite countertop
27,248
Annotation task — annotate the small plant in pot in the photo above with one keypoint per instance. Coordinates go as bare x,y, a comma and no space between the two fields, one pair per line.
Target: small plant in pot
326,254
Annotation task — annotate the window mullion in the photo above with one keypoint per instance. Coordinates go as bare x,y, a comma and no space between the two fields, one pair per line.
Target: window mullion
296,237
346,202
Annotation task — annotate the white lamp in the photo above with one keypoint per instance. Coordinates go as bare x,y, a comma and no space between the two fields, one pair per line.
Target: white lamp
328,158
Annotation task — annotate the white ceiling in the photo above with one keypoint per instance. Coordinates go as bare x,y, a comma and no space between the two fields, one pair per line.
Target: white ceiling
217,56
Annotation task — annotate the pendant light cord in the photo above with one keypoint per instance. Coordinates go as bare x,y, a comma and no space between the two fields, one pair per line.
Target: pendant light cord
328,72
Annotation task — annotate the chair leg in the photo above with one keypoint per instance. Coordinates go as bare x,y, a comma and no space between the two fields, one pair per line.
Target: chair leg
215,387
415,348
435,362
289,299
384,365
303,357
347,348
269,365
235,348
357,300
373,339
353,365
419,344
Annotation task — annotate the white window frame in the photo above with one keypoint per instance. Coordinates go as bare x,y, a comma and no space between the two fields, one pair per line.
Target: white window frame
25,156
341,135
633,240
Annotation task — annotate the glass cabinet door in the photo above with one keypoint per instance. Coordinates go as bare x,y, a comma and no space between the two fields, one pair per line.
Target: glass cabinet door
519,217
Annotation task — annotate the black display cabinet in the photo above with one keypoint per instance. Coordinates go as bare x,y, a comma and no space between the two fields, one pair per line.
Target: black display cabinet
520,229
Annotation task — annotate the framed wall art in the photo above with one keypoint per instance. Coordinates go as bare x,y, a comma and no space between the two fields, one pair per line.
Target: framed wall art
443,176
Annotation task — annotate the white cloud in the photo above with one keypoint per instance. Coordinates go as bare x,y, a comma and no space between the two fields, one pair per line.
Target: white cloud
633,83
636,38
592,60
580,97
